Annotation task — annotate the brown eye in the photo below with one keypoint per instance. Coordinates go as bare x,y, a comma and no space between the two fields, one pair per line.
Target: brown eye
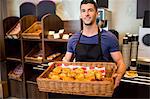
82,10
91,10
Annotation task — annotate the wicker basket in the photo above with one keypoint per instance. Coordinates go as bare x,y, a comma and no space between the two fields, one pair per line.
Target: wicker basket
33,32
89,88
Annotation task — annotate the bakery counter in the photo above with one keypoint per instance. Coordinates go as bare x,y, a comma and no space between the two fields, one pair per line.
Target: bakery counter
135,86
143,80
138,87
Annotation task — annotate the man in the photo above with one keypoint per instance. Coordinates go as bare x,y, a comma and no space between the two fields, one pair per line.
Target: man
93,44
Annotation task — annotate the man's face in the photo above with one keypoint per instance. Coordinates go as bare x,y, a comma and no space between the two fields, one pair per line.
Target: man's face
88,14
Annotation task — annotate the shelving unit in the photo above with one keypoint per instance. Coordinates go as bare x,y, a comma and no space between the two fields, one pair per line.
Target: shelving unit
17,50
13,49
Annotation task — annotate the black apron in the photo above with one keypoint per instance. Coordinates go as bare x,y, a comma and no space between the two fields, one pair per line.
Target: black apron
89,52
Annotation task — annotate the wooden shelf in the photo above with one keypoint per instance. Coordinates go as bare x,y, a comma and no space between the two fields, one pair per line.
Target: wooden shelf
31,39
31,82
31,63
17,49
33,77
20,80
38,62
16,88
56,40
12,39
13,59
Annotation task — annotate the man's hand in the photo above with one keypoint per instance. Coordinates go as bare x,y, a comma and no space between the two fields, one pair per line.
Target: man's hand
117,78
121,67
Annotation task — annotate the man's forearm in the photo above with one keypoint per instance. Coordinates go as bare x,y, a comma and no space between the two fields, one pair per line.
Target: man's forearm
67,57
121,68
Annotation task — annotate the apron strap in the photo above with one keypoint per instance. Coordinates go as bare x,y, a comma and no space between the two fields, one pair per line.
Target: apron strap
79,37
100,46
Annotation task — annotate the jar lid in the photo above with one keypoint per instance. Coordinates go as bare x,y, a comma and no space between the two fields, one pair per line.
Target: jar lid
135,37
125,40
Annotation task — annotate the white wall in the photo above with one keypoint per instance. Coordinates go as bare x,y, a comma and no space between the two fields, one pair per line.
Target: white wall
66,9
124,16
123,12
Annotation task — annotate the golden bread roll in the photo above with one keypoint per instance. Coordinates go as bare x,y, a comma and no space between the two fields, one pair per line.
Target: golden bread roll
57,70
62,75
98,75
72,74
79,71
66,70
68,78
80,77
55,77
90,75
131,73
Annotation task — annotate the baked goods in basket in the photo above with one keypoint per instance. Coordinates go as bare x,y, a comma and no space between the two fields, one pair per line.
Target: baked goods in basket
57,70
96,80
77,73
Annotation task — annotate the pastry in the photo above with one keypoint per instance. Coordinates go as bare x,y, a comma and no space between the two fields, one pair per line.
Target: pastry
57,70
131,73
66,70
79,71
98,75
72,74
67,78
79,77
55,77
62,75
90,75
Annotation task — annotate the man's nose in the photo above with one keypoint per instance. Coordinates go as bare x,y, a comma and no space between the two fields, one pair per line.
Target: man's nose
87,13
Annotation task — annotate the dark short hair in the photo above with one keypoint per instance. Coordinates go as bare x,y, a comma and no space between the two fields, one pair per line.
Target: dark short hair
89,1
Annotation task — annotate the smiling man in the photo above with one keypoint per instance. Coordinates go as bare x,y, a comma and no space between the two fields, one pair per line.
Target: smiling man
93,44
